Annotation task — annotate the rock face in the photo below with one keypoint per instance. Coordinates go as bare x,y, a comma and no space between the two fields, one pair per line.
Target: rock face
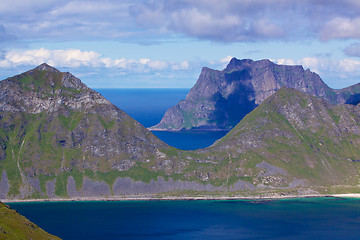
220,99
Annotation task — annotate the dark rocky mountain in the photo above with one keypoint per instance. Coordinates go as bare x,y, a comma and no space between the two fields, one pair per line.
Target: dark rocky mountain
60,139
220,99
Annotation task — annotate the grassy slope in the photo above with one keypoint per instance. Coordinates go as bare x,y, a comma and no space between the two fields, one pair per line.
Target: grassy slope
303,135
15,226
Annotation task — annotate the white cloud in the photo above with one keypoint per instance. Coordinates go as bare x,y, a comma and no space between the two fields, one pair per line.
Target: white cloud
74,58
265,28
224,21
184,65
353,50
341,28
340,72
204,24
226,59
66,58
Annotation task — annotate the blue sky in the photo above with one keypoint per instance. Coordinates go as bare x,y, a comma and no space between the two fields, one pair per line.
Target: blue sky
165,43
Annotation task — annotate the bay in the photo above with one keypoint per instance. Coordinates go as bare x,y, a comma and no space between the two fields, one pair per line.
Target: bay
148,106
312,218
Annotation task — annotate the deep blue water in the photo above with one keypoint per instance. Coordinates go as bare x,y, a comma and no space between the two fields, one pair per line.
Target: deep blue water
281,219
148,106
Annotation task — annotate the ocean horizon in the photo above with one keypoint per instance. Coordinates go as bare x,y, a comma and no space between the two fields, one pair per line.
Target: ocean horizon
148,106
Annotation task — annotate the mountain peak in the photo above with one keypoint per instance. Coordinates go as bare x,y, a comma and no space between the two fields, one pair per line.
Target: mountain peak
46,67
234,63
45,88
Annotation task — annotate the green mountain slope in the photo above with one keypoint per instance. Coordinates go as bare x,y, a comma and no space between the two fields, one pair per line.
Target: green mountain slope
53,126
15,226
306,136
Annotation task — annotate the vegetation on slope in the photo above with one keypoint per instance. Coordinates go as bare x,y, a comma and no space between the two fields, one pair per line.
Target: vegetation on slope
15,226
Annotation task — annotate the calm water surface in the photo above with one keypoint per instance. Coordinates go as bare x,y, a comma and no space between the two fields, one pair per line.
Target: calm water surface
281,219
148,106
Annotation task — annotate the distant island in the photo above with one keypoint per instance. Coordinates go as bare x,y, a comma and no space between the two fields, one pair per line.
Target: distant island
220,99
60,140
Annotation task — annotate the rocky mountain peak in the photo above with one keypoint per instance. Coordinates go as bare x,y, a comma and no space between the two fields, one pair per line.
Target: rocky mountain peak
235,63
45,88
46,67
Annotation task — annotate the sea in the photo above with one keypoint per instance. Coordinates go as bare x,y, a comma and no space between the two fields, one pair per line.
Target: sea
309,218
312,218
148,106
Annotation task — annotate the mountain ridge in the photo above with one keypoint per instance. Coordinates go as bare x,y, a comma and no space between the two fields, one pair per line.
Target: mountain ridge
291,144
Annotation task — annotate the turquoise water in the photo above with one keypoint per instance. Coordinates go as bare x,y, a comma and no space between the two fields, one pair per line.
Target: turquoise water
148,106
280,219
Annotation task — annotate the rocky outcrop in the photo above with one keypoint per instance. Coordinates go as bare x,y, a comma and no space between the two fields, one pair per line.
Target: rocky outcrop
220,99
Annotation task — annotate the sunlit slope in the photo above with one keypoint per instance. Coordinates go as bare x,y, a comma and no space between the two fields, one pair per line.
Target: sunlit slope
15,226
306,136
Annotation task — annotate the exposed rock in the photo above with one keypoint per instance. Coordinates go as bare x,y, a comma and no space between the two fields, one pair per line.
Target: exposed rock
50,188
128,186
4,185
269,169
95,188
35,184
71,188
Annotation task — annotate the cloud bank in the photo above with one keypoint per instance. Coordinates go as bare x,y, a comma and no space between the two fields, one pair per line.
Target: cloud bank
140,20
75,58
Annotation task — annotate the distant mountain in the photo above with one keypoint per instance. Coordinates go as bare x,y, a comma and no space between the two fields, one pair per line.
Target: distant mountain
220,99
15,226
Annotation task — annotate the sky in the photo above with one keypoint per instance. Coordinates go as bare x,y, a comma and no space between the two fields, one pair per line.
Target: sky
165,43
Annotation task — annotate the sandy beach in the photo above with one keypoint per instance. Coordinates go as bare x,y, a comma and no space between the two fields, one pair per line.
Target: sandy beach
195,198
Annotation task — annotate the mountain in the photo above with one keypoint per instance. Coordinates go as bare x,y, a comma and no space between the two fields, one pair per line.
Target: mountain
15,226
52,124
220,99
61,140
305,137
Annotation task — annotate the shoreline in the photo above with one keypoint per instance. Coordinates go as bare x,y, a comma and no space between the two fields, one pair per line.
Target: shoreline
199,198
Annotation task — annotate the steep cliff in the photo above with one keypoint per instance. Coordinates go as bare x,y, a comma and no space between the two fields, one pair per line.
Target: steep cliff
220,99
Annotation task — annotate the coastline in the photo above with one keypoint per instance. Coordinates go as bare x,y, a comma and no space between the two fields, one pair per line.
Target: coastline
199,198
